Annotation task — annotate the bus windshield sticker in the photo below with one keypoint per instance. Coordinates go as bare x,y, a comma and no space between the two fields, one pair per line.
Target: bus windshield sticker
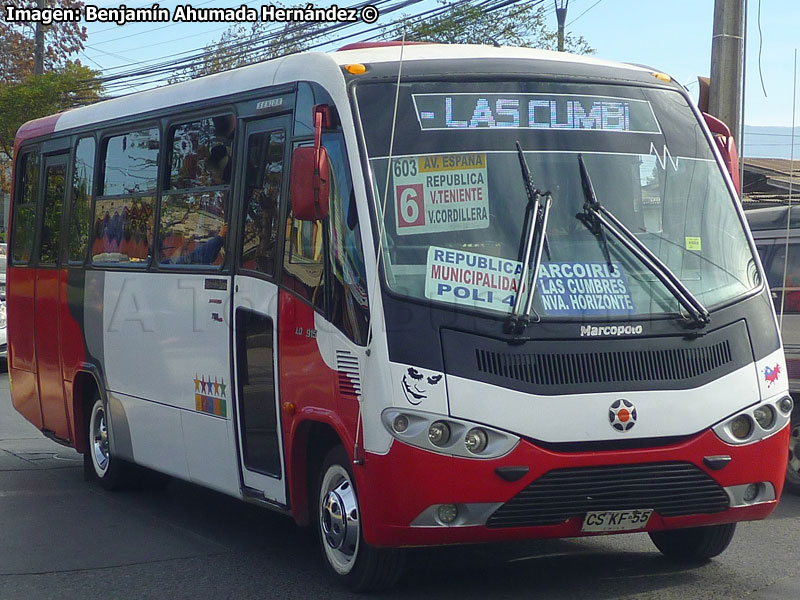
441,192
476,280
584,288
694,243
558,112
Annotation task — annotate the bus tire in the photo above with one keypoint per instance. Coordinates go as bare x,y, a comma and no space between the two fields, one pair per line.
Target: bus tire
98,463
793,468
695,544
359,566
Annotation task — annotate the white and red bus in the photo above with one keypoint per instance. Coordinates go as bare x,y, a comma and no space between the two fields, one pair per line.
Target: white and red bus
409,294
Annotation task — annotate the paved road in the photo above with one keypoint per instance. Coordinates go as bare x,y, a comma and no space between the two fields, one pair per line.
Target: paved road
61,537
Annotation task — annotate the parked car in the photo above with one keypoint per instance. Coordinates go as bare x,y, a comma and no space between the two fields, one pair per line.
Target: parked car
3,252
3,331
3,341
769,227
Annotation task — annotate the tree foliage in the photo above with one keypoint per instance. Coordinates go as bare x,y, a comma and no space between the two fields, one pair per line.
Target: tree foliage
241,45
61,41
64,84
519,24
39,96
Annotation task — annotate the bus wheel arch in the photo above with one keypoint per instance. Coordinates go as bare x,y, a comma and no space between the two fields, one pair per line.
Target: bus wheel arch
311,442
94,432
84,388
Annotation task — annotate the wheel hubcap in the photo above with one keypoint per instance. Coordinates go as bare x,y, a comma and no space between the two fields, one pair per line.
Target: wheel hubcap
334,522
100,439
339,519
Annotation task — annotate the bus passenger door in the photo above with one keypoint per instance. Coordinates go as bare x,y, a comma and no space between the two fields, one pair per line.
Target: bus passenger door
255,308
46,303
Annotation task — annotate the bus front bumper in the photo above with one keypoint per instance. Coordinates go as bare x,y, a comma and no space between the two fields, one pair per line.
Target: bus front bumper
401,492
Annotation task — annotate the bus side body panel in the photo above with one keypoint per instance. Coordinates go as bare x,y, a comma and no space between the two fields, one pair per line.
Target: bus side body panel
21,354
48,351
73,345
309,386
20,286
166,359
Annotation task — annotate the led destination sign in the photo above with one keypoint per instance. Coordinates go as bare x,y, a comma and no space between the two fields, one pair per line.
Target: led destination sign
558,112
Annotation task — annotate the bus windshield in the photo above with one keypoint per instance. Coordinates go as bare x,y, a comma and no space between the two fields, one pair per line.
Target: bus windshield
451,196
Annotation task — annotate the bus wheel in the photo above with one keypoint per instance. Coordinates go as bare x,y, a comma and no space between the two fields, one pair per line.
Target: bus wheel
694,544
97,461
352,561
793,468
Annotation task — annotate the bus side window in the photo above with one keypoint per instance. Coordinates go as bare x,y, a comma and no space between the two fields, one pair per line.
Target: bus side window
55,182
262,190
303,114
194,203
25,209
81,204
330,251
304,259
349,306
123,211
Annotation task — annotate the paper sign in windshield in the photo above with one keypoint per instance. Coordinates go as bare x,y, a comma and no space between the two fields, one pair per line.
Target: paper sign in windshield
471,279
443,192
576,288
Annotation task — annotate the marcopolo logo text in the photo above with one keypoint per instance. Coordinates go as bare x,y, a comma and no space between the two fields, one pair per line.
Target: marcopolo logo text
610,330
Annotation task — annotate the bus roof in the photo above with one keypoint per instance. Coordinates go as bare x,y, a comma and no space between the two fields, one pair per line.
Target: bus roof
391,53
312,66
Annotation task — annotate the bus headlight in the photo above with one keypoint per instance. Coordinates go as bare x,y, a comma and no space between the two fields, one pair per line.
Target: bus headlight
446,435
439,433
757,422
764,415
741,427
476,440
400,423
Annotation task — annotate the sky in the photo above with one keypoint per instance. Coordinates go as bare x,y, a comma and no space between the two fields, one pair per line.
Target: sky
673,36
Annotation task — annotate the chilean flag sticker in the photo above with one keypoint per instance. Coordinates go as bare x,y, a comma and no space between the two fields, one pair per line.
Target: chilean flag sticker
771,374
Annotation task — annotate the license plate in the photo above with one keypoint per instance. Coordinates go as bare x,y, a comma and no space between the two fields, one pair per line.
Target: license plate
616,520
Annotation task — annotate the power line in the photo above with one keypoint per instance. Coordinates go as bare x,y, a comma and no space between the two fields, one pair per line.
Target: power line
158,72
152,29
584,12
250,45
191,56
146,5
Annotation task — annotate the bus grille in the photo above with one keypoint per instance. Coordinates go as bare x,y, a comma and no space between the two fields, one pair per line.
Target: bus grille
349,374
674,364
672,489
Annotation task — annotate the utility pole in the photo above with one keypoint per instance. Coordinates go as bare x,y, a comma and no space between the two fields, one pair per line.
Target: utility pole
38,44
727,49
561,15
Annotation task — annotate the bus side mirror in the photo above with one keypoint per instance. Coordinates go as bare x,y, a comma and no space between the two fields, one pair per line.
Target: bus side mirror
309,180
727,148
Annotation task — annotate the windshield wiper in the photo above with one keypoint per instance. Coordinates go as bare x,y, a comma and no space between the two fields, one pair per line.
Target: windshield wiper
599,219
532,240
